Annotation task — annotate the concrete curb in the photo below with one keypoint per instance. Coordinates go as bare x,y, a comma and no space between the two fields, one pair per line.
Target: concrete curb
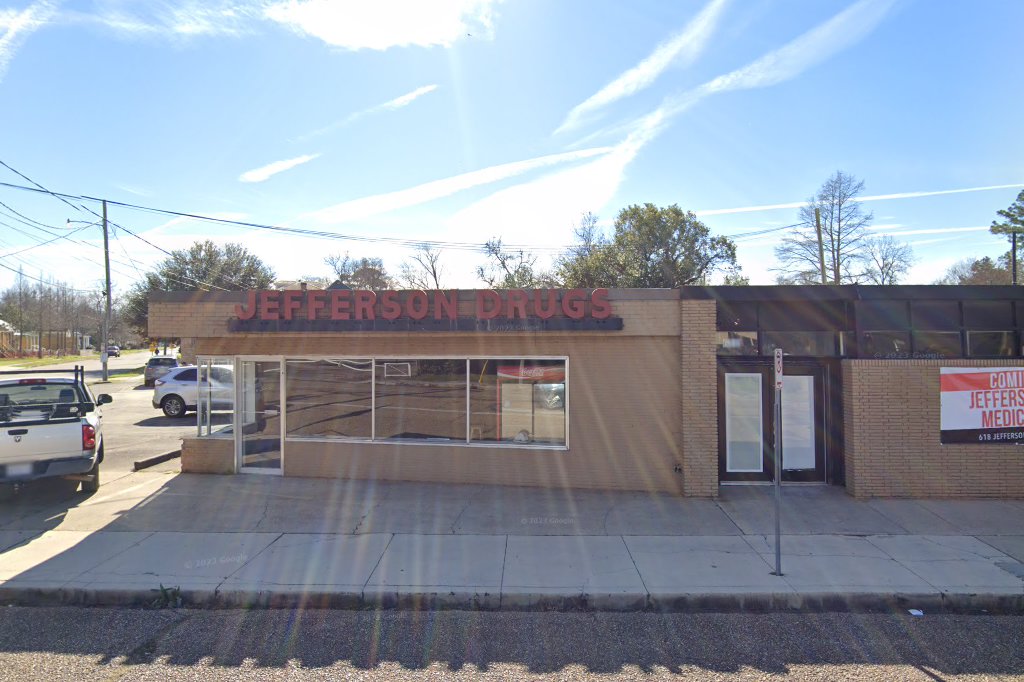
696,602
156,459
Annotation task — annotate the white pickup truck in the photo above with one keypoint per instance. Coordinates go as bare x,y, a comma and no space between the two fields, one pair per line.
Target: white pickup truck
50,426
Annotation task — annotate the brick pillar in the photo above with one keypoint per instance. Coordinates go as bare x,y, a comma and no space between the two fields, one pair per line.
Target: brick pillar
699,388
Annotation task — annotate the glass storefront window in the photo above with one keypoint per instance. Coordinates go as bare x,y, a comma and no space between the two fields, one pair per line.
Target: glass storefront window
215,402
517,400
991,344
420,399
884,344
937,344
329,398
737,343
811,344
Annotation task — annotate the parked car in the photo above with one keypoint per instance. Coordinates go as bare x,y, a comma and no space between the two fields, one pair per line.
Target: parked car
177,392
50,427
159,365
113,351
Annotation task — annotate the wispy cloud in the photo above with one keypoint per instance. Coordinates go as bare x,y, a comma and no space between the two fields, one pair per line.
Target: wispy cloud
549,202
17,27
391,105
681,50
934,230
877,197
180,21
789,61
271,169
420,194
383,24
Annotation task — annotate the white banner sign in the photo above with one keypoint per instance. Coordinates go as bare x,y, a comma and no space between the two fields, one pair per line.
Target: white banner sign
982,404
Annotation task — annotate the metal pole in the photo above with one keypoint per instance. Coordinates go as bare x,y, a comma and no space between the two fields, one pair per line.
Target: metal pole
106,312
777,446
821,247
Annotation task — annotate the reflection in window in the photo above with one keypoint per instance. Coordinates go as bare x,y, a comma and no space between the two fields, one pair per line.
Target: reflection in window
937,344
517,401
991,344
215,402
420,399
329,398
884,344
812,344
737,343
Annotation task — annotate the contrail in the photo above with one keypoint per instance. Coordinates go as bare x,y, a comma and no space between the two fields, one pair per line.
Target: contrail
878,197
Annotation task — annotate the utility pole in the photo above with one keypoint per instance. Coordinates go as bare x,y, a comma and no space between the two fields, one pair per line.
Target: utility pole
106,312
821,246
1013,255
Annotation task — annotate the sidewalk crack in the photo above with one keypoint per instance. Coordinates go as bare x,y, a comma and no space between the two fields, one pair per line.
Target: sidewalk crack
636,568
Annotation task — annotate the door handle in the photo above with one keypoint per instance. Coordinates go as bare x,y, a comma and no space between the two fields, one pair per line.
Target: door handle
17,432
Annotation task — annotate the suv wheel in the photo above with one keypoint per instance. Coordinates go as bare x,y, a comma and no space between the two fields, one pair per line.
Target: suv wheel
173,406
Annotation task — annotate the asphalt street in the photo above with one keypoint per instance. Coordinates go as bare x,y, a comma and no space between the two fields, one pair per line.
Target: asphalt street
119,644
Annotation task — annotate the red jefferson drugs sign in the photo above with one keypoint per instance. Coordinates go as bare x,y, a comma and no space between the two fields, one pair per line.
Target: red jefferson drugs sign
982,404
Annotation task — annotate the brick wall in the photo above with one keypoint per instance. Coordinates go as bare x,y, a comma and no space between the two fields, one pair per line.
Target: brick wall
891,415
208,455
698,397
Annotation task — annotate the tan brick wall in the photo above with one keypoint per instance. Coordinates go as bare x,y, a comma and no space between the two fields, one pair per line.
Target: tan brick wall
891,415
698,398
208,455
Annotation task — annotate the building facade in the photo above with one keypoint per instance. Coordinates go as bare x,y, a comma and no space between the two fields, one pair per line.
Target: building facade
655,390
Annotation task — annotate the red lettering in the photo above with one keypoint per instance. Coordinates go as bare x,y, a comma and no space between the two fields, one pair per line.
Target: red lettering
600,308
417,305
544,309
340,304
517,300
365,300
270,305
290,303
242,312
573,303
390,308
315,301
448,305
485,298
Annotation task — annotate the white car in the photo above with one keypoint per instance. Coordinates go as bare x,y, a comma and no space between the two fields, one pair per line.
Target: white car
50,426
177,392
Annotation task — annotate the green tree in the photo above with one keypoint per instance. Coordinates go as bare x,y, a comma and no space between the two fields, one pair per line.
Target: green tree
843,235
1012,224
650,247
978,271
203,266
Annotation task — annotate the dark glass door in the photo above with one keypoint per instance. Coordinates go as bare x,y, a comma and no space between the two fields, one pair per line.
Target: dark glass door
746,404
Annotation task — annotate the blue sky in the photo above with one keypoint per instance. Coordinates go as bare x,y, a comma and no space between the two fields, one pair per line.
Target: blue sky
461,120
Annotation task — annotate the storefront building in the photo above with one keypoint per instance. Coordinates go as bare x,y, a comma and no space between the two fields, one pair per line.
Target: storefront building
889,391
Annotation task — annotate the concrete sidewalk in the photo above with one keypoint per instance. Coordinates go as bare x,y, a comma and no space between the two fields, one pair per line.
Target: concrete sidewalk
270,541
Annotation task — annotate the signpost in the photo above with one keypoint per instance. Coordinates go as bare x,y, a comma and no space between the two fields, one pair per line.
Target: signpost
777,446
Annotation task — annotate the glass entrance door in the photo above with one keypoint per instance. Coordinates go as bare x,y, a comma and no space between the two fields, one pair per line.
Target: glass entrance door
746,419
258,442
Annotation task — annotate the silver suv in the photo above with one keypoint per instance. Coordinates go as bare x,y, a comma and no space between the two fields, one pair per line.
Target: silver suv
159,365
177,392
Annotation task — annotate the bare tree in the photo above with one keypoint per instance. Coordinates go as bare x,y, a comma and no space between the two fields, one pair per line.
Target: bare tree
510,269
423,270
977,271
886,260
843,238
360,273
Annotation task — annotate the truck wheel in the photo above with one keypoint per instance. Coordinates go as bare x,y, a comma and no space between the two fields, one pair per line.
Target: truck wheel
93,484
173,406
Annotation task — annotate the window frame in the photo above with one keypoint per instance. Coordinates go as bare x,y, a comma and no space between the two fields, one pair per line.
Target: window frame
467,442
